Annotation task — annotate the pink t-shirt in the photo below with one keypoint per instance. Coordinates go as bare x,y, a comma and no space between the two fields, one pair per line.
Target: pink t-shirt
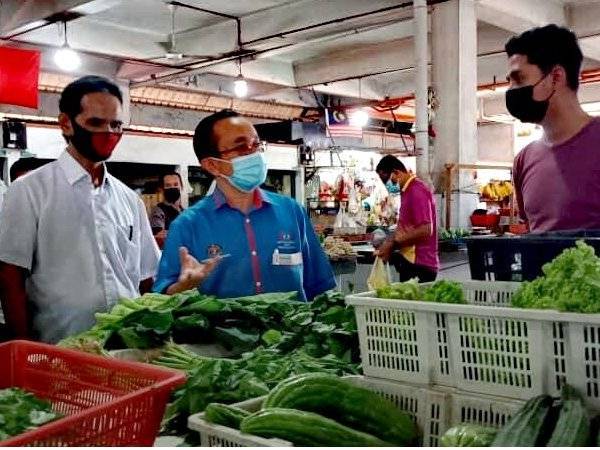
418,208
558,187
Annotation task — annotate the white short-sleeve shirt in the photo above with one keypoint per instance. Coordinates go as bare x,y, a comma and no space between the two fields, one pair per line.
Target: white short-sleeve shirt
84,247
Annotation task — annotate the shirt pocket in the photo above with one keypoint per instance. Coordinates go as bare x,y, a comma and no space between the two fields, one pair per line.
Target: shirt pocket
128,250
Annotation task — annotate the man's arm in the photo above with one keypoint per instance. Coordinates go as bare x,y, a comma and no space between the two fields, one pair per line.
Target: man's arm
14,299
405,237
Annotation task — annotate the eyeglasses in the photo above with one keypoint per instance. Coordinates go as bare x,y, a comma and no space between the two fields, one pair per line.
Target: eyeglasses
243,150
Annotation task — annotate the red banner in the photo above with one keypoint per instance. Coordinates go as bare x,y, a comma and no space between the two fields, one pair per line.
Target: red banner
19,73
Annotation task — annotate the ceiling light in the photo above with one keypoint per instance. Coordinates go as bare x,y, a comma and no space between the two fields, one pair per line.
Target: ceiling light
240,86
359,118
65,57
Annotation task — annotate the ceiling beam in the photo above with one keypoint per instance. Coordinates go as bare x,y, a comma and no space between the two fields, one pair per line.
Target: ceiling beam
585,21
21,15
358,61
222,37
517,16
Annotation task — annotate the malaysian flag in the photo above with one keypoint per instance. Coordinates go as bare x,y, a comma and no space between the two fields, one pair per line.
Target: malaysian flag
338,124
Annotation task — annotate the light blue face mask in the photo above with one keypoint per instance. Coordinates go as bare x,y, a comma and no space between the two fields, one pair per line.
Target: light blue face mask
391,187
249,172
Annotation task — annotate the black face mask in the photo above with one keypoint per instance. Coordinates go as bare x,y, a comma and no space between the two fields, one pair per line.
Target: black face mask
172,194
521,104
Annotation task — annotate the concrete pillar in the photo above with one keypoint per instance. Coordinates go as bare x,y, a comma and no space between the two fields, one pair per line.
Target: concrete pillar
454,76
184,171
422,84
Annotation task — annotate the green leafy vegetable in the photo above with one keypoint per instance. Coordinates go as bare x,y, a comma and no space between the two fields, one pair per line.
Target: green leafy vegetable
442,291
409,290
445,292
468,436
21,411
570,283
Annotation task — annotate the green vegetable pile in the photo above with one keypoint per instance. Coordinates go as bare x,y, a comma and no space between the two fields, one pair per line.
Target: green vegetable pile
274,336
453,234
21,411
323,410
324,326
442,291
570,283
227,381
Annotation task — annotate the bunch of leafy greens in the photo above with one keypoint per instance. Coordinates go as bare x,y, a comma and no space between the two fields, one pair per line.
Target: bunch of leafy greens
442,291
570,283
324,326
229,381
21,411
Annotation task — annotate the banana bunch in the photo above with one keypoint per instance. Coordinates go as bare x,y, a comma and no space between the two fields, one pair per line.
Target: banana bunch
497,190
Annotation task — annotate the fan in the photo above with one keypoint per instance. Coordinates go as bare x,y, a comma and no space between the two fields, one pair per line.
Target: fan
171,53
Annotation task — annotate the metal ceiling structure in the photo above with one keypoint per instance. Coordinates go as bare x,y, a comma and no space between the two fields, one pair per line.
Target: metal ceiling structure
288,48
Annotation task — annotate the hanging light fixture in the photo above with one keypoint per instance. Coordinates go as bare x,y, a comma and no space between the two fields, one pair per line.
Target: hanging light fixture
65,57
360,117
240,86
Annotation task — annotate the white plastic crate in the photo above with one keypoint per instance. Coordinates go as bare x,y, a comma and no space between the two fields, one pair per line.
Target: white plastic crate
489,348
434,410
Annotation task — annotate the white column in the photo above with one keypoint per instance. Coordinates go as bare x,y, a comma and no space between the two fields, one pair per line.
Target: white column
421,86
183,170
454,73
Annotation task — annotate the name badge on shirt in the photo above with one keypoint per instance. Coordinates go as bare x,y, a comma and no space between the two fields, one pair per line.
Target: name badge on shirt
287,259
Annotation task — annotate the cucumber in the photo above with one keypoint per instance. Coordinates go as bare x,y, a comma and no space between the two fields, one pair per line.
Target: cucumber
306,429
340,400
526,427
573,426
226,415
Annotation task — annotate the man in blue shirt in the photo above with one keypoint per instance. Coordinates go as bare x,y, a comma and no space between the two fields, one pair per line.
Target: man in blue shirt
269,237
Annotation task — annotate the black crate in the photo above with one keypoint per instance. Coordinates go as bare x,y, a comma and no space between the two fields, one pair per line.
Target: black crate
520,258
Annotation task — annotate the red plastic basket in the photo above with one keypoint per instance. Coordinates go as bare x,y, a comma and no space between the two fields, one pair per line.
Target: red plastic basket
485,220
107,402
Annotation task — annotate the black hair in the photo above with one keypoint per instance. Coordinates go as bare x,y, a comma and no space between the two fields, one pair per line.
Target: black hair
389,163
70,99
547,47
204,140
167,174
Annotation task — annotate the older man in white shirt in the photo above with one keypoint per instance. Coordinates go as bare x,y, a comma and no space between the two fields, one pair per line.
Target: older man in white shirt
74,239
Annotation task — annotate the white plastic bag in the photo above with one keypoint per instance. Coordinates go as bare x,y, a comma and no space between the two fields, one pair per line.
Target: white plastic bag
380,275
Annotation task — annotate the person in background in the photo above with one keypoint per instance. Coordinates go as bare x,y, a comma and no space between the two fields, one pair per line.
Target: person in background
74,239
416,234
557,178
269,237
163,214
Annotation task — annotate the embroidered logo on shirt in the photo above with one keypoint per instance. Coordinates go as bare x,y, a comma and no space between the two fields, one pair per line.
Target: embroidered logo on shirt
214,250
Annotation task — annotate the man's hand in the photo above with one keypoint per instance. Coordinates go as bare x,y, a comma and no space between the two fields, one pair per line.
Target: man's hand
385,250
192,272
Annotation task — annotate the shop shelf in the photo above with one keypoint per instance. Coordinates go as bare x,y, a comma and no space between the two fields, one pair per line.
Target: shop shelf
484,347
106,402
433,409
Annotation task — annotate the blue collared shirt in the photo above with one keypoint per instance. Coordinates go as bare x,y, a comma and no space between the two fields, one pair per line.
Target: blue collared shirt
276,228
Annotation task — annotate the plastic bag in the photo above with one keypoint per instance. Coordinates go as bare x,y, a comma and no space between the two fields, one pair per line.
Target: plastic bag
380,275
